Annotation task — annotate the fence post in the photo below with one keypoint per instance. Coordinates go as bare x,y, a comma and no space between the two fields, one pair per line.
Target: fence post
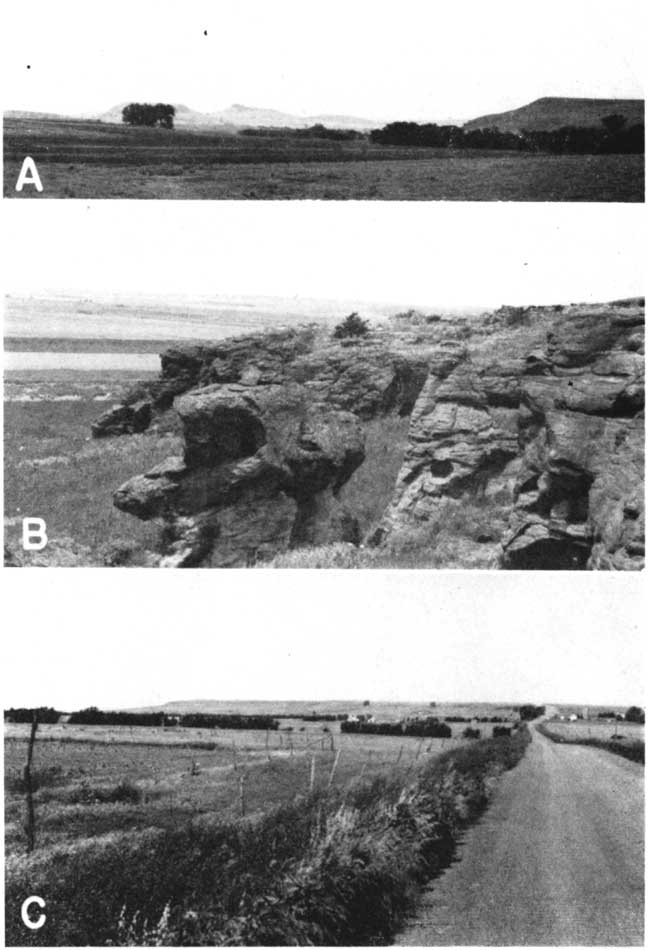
333,771
27,780
234,757
399,754
312,773
242,794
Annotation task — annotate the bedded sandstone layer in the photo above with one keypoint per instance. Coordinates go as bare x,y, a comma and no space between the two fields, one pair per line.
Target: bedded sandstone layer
540,408
549,419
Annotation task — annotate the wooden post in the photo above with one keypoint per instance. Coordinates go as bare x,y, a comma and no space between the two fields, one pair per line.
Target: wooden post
29,792
312,774
419,749
266,746
234,757
399,754
333,771
242,794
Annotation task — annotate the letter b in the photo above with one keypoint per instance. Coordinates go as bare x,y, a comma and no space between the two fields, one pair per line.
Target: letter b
34,534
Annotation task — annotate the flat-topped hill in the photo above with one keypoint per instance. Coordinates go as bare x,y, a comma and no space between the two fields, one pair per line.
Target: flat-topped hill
553,112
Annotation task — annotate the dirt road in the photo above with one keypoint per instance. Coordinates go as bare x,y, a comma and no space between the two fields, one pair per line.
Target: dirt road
557,859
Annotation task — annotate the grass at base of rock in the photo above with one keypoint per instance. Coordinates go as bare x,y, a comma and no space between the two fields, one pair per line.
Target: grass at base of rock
55,471
465,535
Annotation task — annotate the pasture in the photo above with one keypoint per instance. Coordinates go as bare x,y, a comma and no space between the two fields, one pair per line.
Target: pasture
79,159
597,729
100,780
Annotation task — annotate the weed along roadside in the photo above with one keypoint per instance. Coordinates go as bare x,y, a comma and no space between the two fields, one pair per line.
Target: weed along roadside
336,867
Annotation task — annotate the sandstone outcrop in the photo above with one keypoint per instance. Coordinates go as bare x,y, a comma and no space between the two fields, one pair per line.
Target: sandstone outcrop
272,430
546,416
526,435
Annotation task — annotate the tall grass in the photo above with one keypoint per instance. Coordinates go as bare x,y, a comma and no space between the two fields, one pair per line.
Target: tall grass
337,867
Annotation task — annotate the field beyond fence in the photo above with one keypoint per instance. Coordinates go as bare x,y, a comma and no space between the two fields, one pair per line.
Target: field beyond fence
625,740
338,863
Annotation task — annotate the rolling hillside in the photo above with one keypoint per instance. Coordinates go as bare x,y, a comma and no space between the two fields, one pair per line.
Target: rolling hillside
553,112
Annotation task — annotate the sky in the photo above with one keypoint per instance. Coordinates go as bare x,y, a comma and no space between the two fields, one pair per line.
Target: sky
429,254
372,58
400,636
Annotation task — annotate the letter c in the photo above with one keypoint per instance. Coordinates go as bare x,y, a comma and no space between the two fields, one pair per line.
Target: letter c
40,920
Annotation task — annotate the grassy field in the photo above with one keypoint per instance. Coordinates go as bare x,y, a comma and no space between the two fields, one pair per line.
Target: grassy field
626,739
178,774
96,160
597,729
53,470
145,844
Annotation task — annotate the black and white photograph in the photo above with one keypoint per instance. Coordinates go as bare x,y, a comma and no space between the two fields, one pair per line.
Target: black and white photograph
462,784
364,100
478,407
323,433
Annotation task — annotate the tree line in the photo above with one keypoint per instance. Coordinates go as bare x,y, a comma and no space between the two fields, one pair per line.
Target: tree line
429,728
92,716
613,136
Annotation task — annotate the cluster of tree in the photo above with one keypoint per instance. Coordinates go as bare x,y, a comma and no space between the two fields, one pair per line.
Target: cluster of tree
317,131
352,326
228,721
612,136
428,728
159,114
635,714
499,731
610,715
44,714
529,711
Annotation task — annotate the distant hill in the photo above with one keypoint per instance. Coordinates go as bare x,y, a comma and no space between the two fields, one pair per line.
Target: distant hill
547,114
239,116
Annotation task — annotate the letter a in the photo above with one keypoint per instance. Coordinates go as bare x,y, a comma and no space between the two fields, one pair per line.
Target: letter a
29,175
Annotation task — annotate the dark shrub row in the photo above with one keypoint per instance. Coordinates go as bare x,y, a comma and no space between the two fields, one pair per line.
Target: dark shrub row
612,137
228,721
317,131
338,868
325,717
92,716
43,714
423,728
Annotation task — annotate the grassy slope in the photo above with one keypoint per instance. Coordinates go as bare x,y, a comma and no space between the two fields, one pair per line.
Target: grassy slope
331,868
53,470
